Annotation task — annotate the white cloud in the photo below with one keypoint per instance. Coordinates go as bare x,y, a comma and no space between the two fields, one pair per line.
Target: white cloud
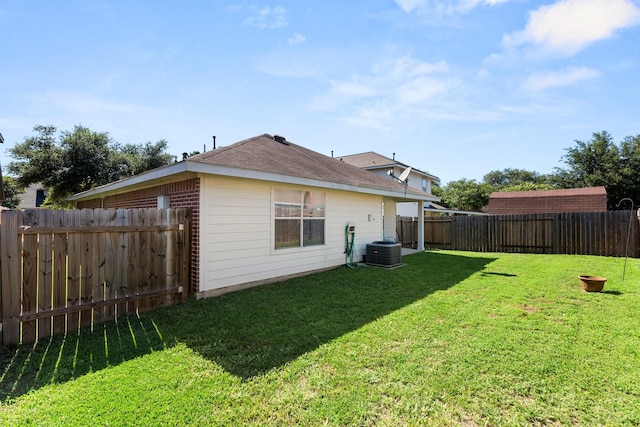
411,5
444,7
397,88
569,26
297,38
267,17
352,90
569,76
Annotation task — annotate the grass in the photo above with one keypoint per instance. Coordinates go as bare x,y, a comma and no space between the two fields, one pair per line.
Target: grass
451,338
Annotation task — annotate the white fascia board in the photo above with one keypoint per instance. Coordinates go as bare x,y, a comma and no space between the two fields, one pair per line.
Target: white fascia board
199,167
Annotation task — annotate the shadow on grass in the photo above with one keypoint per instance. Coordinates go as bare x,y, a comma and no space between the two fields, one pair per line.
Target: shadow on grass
489,273
247,333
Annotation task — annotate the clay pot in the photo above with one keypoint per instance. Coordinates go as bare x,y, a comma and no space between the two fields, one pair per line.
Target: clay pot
592,283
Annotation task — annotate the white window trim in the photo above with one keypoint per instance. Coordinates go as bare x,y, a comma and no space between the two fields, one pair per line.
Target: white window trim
301,248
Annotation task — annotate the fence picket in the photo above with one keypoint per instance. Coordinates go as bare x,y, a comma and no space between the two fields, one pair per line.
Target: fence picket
87,274
74,262
109,218
45,283
60,245
29,274
11,276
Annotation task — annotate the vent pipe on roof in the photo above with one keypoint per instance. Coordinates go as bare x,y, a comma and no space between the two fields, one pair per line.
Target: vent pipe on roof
394,156
280,139
332,154
214,142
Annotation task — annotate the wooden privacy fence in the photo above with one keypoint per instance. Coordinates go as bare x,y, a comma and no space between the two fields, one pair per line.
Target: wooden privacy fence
65,269
584,233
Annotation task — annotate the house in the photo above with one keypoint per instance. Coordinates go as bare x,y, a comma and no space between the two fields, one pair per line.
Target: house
590,199
33,197
392,169
264,209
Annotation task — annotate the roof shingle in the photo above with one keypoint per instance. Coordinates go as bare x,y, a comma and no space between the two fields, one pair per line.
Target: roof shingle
264,154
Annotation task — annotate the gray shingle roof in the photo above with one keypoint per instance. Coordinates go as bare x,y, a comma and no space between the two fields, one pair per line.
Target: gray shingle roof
371,160
264,154
264,157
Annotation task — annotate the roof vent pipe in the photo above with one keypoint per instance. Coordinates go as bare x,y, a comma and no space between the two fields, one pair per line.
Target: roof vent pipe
394,157
280,139
214,142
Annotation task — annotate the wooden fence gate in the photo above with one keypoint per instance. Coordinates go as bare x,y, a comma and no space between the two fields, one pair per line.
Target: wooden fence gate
65,269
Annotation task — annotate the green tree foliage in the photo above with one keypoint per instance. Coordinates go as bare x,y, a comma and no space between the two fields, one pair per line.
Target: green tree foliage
12,192
527,186
79,160
464,195
512,178
470,195
600,162
629,170
141,158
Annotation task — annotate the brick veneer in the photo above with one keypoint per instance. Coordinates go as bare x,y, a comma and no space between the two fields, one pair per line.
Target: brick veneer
548,201
182,194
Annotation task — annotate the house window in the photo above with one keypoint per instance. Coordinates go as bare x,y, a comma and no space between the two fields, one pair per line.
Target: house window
424,184
299,218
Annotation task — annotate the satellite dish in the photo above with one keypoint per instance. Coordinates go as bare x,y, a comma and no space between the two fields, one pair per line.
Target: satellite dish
405,174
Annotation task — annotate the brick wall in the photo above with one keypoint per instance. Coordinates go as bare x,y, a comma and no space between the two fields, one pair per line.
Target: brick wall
183,194
553,204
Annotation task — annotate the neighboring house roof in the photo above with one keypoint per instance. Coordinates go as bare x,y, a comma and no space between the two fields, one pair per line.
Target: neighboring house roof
272,158
371,160
590,199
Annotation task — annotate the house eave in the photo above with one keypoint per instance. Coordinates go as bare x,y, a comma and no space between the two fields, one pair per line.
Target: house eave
195,167
400,165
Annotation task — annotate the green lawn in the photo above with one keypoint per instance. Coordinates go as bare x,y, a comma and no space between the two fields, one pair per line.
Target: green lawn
450,338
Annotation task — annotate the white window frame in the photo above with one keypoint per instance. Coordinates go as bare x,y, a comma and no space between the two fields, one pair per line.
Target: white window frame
301,218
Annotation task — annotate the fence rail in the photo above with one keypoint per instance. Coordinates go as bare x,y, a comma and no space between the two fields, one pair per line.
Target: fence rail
614,233
65,269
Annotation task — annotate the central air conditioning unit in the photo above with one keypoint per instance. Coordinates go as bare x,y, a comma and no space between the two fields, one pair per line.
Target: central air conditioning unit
384,253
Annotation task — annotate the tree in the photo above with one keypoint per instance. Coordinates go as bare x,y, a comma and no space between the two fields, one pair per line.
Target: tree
600,162
513,177
79,160
141,158
630,169
527,186
12,192
38,157
464,194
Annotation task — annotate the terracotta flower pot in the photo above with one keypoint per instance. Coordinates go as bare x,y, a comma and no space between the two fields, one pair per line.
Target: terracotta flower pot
592,283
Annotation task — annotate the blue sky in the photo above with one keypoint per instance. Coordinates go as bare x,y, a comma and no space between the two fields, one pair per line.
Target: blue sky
457,88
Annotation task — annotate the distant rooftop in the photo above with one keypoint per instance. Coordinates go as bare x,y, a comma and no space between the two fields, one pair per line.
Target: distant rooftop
372,160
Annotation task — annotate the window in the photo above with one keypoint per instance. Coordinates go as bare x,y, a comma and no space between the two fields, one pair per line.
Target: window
424,184
299,218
